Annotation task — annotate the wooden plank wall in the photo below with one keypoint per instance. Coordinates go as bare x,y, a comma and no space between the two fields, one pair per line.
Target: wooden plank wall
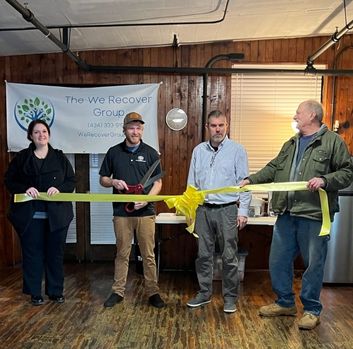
184,91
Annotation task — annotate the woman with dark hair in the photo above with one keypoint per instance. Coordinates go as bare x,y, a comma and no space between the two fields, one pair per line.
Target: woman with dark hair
41,225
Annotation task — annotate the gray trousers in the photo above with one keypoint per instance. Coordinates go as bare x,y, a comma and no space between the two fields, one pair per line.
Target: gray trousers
217,224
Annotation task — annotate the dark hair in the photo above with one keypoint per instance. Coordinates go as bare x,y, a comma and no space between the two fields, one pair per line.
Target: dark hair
215,114
31,127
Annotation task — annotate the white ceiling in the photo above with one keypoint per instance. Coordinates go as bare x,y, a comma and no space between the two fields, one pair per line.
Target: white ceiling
243,20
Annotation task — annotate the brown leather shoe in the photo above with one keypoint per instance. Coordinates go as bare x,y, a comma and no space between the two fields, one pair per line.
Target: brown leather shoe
276,310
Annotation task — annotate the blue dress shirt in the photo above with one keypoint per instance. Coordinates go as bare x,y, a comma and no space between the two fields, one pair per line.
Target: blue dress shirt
210,169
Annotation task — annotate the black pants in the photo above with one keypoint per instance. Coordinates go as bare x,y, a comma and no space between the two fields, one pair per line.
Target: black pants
43,253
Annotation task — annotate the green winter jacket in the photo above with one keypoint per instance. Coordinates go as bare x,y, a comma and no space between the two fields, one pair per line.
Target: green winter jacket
326,156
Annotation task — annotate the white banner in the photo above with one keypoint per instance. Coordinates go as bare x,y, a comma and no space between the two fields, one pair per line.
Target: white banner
81,120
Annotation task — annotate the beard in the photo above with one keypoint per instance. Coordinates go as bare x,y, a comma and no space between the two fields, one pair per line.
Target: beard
133,139
218,137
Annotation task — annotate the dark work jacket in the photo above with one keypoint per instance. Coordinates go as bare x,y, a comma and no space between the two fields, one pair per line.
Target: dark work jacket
23,173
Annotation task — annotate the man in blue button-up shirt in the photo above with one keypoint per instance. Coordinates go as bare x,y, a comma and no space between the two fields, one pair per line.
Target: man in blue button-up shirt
216,163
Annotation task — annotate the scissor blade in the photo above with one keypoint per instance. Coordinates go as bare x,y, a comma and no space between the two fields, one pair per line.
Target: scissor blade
153,179
148,174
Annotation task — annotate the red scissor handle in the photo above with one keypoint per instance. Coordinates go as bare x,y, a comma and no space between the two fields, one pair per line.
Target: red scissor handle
133,189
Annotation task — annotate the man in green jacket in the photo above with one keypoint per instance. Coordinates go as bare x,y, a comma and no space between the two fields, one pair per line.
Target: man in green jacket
321,158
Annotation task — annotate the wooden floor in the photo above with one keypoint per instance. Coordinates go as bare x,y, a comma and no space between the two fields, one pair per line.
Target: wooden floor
83,322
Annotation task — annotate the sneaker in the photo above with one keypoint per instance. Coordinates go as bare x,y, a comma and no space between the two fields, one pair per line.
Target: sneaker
229,306
113,299
57,299
198,301
156,301
308,321
37,300
276,310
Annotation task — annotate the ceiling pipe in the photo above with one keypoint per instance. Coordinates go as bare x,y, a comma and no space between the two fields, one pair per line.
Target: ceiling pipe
334,38
28,16
66,37
217,71
131,24
222,57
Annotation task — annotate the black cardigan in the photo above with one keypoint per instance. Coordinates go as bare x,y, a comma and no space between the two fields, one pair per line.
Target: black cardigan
23,173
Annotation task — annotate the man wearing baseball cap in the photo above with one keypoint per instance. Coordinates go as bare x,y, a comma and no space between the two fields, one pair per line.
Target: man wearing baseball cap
126,164
133,117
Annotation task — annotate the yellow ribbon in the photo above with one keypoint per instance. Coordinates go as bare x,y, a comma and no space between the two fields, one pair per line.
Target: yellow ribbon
187,203
92,197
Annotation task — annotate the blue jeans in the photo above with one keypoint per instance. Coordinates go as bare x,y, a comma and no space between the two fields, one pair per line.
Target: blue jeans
293,236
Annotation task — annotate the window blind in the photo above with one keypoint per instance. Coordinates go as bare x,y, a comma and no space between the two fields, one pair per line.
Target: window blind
102,231
263,106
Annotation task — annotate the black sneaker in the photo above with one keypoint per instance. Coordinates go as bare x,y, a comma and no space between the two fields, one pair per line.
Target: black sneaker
113,299
57,299
37,300
156,301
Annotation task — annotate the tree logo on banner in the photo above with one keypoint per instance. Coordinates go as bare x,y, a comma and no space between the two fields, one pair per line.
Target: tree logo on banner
29,109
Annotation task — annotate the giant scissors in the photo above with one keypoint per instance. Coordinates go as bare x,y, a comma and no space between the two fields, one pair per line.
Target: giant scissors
144,182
